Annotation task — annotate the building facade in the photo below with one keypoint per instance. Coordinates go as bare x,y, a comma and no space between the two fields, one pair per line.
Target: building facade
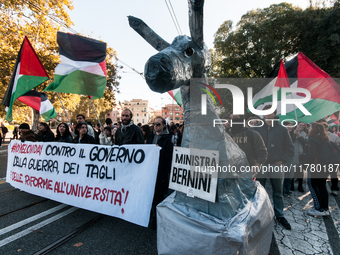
115,114
173,112
141,110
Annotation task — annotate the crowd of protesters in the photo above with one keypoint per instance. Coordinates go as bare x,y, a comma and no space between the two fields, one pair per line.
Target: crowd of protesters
267,144
297,146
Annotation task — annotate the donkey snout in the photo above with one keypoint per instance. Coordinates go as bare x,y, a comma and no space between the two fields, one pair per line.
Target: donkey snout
159,73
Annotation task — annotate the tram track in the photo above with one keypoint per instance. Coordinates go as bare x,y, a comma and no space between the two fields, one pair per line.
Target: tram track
7,190
24,207
69,236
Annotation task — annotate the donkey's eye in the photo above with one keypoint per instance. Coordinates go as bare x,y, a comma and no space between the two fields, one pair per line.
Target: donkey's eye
189,52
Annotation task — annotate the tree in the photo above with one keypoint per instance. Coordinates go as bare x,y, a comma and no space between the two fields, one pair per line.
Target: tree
264,36
321,38
40,20
261,39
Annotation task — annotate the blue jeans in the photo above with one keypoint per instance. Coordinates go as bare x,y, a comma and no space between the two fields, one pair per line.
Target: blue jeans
286,185
287,178
276,179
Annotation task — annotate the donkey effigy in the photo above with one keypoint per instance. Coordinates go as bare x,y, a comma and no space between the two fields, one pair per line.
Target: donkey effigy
241,219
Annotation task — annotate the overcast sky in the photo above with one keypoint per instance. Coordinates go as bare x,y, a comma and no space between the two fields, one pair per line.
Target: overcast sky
107,20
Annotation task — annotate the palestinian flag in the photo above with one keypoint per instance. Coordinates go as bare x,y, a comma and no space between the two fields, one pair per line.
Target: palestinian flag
265,95
176,95
333,120
28,73
39,102
82,69
325,92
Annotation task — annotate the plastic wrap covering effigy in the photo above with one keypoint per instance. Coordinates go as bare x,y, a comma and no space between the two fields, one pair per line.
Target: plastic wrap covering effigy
185,230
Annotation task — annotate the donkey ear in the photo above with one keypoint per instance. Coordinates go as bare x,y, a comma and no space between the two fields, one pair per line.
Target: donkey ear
147,33
196,21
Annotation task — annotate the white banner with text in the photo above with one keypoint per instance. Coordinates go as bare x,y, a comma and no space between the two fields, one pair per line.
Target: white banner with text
117,181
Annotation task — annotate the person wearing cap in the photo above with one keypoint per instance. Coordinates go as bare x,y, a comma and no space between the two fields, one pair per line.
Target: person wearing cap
26,134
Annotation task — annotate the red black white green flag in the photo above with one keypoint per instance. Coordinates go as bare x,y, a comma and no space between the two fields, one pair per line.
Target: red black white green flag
39,102
325,92
176,95
28,73
333,120
82,69
265,95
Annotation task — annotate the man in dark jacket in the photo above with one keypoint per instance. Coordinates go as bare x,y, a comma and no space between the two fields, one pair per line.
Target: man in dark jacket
280,152
128,133
250,142
162,138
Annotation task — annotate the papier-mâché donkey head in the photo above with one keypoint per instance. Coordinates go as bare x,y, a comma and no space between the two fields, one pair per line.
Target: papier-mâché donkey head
178,62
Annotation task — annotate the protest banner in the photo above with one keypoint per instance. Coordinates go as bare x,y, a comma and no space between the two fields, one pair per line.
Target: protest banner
195,172
117,181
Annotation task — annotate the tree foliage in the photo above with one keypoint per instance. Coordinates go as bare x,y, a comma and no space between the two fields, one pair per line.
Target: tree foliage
264,36
40,20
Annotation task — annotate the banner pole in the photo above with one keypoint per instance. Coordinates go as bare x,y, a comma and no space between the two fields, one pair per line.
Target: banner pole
95,112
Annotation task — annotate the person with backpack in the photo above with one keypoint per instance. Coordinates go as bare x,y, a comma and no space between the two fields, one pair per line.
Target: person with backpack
316,138
250,142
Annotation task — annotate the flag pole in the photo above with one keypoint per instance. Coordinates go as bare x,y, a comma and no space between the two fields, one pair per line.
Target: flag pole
68,118
296,118
64,108
95,112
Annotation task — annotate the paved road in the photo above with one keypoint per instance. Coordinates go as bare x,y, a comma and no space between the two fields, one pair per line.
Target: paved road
30,224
